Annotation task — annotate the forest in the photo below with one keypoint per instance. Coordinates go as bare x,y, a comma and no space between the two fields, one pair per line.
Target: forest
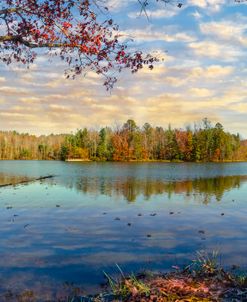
128,142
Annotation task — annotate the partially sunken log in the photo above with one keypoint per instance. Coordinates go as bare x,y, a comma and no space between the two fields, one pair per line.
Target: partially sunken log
24,181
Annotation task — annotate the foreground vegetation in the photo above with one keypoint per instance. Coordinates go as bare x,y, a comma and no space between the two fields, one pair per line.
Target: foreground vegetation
128,143
202,281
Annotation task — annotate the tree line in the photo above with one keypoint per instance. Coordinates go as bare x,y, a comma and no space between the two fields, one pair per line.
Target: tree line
128,142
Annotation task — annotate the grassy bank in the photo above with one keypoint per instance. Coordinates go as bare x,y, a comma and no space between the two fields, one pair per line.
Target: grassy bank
204,280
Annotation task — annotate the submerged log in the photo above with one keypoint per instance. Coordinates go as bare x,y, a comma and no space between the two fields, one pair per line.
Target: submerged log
24,181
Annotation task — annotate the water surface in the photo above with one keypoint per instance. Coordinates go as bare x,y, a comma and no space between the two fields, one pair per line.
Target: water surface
90,216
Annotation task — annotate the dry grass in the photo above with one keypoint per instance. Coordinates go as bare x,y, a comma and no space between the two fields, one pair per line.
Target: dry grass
202,281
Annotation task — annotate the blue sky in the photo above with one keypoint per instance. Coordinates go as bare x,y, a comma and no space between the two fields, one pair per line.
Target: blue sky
204,47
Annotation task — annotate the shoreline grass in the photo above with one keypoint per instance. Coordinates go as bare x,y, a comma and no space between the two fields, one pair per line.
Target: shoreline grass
204,280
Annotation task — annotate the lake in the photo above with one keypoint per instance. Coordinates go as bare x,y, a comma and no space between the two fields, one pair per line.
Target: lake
66,231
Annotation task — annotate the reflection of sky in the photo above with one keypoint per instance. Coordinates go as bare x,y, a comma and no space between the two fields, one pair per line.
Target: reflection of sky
115,170
51,232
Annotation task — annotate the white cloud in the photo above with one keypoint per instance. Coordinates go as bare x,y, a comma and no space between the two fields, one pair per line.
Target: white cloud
210,5
211,71
156,14
196,15
216,50
9,90
233,32
116,5
150,34
201,92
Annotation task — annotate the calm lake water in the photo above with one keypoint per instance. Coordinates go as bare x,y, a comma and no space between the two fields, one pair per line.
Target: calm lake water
67,230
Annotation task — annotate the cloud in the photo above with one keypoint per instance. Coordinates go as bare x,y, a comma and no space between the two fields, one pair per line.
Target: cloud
216,50
80,107
54,108
116,5
200,92
179,76
196,15
176,109
210,5
30,100
151,34
156,14
8,90
230,31
211,71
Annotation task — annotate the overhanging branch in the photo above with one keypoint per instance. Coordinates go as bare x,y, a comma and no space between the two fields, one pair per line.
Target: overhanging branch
19,39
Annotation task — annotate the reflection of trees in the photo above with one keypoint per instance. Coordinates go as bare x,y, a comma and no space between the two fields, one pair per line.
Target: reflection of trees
217,186
202,189
6,179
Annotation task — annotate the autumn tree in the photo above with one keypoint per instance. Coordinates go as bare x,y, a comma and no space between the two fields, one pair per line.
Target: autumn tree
158,150
73,30
120,146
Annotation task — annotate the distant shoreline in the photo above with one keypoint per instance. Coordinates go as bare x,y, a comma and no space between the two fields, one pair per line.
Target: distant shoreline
129,161
129,143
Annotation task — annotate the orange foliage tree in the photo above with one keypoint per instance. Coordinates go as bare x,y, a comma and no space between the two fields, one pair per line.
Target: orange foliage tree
73,30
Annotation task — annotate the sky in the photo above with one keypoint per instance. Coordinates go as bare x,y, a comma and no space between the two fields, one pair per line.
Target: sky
202,73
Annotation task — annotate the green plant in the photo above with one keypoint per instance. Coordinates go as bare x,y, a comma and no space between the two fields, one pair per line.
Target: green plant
205,263
126,285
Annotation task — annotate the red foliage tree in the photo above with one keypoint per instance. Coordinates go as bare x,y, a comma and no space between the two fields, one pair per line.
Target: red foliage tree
120,146
72,29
